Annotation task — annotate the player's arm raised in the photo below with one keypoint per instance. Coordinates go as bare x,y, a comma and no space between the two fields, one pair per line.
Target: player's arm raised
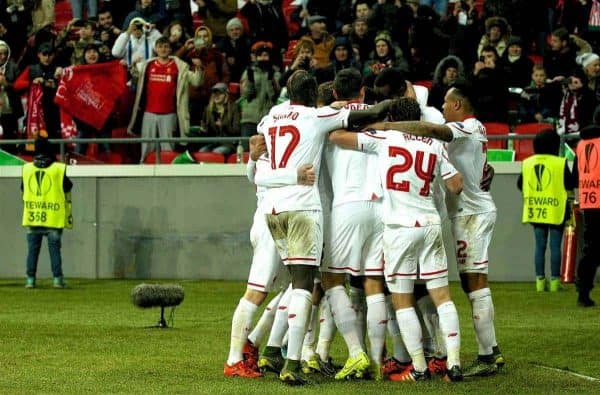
418,128
360,118
344,139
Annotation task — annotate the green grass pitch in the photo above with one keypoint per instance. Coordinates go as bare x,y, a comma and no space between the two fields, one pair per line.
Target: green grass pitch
89,338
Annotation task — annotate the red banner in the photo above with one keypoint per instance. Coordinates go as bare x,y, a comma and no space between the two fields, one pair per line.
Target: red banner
35,113
89,92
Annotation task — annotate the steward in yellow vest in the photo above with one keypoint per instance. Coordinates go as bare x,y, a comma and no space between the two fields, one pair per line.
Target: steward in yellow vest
46,209
544,180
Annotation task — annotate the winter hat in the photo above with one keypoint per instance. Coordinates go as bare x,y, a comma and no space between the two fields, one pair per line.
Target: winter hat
514,40
42,146
586,59
234,22
385,36
219,87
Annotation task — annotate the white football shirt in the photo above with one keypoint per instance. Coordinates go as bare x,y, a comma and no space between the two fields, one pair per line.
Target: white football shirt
407,165
468,154
353,174
295,135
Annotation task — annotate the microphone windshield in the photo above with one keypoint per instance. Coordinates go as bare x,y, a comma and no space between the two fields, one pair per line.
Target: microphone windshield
157,295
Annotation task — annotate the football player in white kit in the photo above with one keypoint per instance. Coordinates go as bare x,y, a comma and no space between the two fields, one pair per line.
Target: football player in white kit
266,266
473,214
412,239
295,134
355,243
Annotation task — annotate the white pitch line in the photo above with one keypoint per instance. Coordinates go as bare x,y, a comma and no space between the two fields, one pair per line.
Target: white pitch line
581,376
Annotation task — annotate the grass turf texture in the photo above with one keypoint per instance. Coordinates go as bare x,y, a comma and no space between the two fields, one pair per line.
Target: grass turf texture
90,338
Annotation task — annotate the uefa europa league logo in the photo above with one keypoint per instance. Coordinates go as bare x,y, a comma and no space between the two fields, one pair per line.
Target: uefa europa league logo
541,178
590,157
39,183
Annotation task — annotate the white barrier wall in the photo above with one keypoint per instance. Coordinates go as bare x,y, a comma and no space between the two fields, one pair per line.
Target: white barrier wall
193,222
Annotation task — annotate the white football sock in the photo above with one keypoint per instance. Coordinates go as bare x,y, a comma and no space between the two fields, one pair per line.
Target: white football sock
265,322
280,323
411,334
376,324
345,318
308,347
298,317
240,328
483,319
357,298
451,329
400,352
434,342
326,330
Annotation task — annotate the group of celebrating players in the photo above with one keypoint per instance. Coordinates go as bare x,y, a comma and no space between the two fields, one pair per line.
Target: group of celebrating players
365,201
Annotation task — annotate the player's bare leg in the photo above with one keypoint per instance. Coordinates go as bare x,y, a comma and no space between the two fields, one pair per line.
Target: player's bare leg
489,359
345,321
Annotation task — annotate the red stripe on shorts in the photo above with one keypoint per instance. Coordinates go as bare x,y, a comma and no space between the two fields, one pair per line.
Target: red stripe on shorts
432,273
256,285
480,263
300,259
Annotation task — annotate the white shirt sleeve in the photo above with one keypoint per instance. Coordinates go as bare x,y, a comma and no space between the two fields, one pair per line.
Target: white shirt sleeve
119,48
370,141
329,119
250,170
447,170
459,130
276,178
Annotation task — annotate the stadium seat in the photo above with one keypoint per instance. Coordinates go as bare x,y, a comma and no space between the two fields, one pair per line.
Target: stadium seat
496,129
166,157
111,158
234,89
209,157
524,148
426,83
536,59
288,57
233,157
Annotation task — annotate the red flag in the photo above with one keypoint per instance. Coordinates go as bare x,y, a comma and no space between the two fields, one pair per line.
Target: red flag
89,92
35,113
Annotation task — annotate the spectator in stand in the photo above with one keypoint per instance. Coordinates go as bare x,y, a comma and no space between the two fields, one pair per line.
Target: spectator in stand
577,105
360,10
135,44
106,33
177,34
260,87
91,6
539,101
11,108
266,23
323,42
394,18
215,69
215,14
147,10
439,6
447,72
342,57
463,27
161,100
590,62
362,37
303,60
517,65
46,74
42,15
120,9
489,81
175,10
497,32
73,49
236,49
15,16
385,55
92,55
560,58
221,119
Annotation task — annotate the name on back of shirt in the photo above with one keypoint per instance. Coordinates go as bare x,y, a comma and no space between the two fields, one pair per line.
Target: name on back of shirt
412,137
290,115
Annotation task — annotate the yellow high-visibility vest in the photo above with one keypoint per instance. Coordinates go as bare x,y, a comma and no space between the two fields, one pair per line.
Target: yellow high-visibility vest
544,193
44,201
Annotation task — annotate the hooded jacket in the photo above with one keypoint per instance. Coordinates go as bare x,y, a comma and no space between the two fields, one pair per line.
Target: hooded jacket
10,71
328,73
438,88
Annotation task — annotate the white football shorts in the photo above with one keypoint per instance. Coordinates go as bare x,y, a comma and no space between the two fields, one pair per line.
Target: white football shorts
473,234
298,236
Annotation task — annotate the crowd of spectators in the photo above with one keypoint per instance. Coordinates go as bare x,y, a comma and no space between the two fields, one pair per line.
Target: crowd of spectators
529,61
